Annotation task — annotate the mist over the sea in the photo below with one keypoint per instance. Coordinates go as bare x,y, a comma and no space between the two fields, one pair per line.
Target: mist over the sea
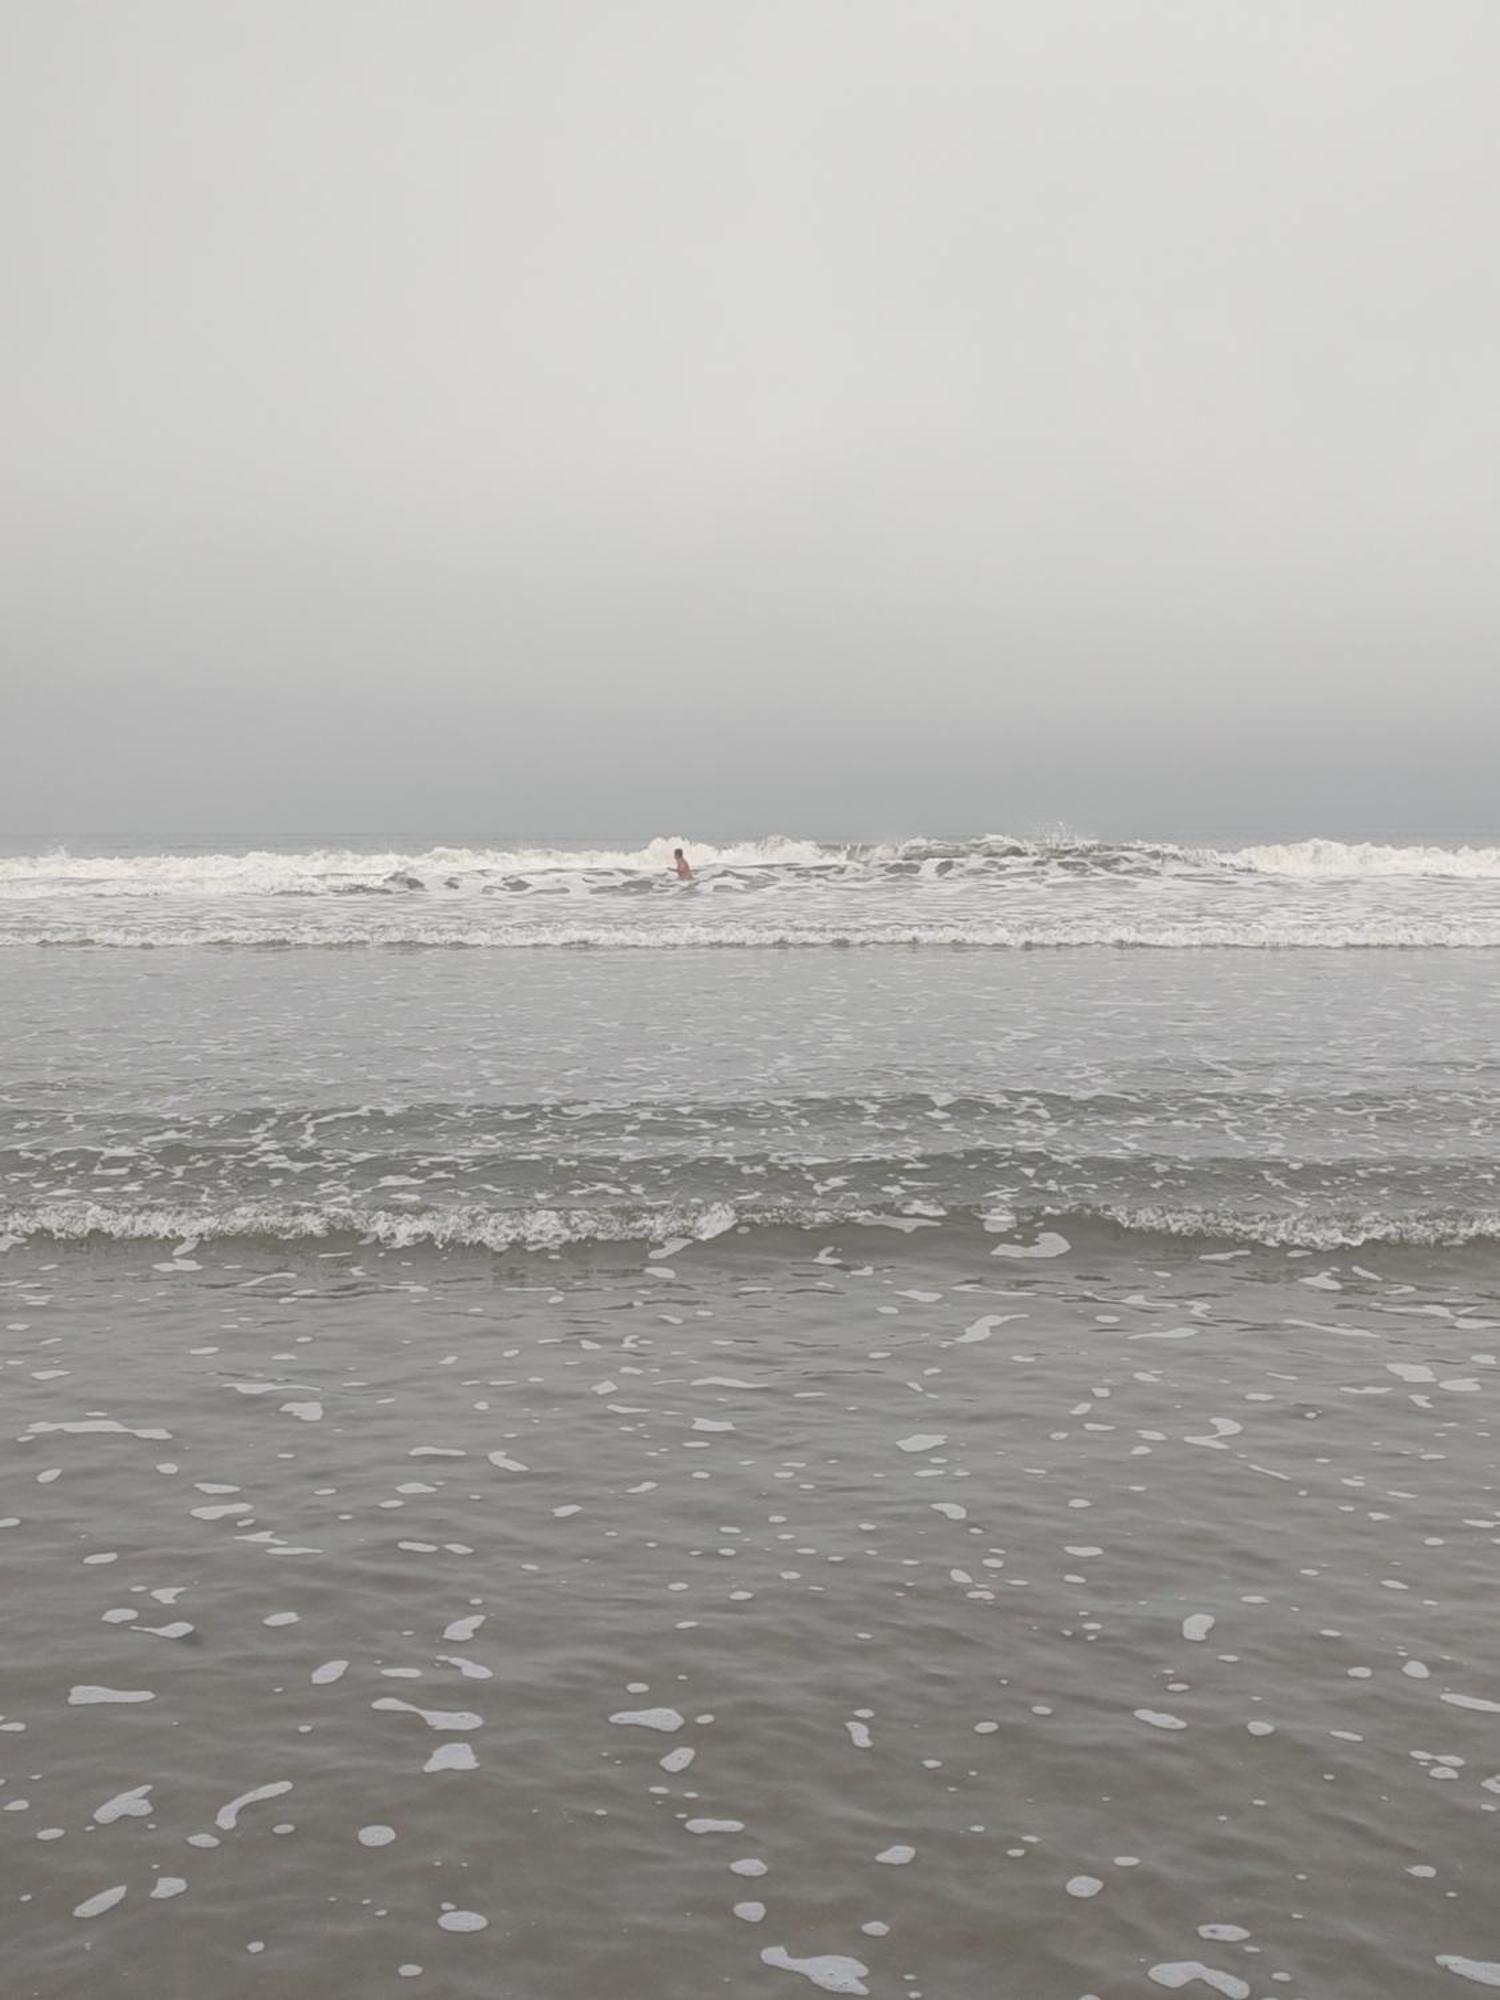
552,418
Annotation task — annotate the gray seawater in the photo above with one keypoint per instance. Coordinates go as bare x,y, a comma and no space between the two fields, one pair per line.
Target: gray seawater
912,1471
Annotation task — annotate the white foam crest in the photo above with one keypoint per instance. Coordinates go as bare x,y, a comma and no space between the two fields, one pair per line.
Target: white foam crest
1380,930
1307,1231
991,848
264,871
556,1229
334,870
1338,857
477,1228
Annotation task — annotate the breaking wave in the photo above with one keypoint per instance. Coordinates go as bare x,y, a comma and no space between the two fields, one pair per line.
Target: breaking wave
1376,931
1036,1231
334,871
997,892
1341,858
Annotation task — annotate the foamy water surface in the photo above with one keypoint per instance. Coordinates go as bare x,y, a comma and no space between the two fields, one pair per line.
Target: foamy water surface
905,1471
867,1613
996,892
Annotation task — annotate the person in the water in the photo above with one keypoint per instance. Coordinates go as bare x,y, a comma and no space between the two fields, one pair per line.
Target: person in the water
680,862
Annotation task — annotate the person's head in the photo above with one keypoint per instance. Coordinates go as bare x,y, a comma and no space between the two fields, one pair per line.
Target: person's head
677,854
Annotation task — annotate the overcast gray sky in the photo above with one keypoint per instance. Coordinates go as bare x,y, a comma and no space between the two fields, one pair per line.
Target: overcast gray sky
480,416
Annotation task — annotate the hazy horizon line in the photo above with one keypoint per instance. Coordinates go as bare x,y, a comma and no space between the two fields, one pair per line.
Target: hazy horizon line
103,841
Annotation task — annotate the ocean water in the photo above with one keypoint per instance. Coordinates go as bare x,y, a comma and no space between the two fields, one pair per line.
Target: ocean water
953,1460
990,892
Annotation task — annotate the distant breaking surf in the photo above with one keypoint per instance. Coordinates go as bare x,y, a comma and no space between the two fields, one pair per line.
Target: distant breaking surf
266,871
994,892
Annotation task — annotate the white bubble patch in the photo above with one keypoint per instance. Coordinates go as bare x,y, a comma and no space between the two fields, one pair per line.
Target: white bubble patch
830,1971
